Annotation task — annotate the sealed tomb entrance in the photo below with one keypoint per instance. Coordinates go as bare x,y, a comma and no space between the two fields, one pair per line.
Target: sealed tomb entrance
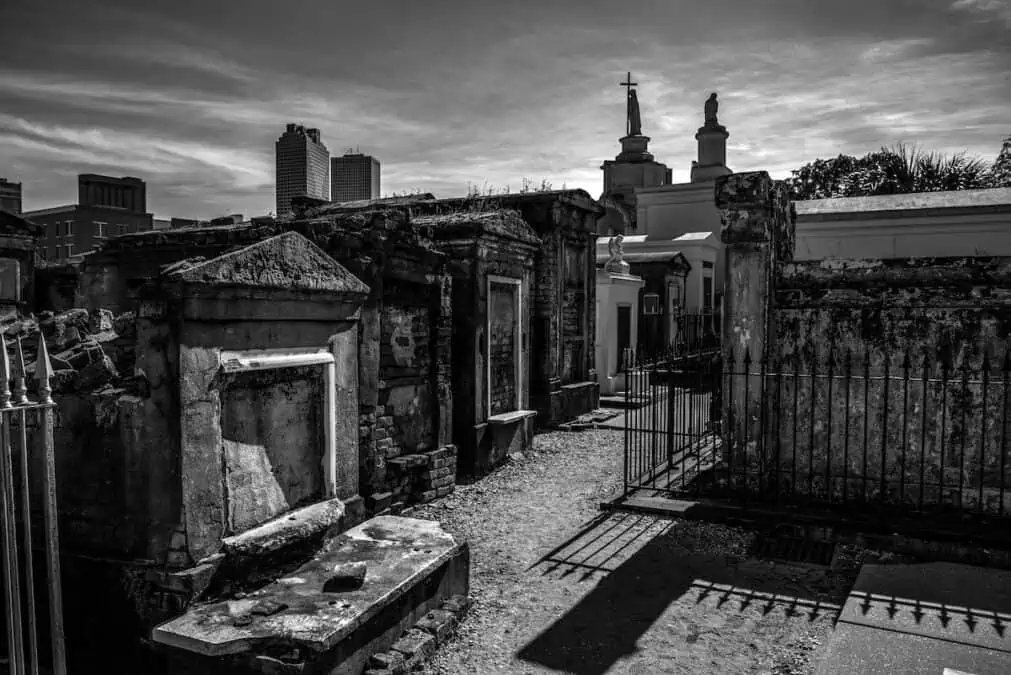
504,353
276,413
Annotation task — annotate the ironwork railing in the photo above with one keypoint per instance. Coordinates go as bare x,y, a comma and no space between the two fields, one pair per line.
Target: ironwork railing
17,415
919,435
672,413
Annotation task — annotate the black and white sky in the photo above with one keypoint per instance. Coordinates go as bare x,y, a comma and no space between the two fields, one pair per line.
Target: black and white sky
191,94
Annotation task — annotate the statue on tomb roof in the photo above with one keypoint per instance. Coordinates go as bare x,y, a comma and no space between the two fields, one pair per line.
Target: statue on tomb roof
634,120
712,105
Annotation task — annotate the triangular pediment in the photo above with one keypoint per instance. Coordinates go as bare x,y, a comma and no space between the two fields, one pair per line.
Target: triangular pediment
287,262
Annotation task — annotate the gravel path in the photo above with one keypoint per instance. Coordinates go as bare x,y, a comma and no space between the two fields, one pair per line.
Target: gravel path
559,587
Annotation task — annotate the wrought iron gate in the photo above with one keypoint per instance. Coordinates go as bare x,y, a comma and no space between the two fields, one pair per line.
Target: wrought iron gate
673,406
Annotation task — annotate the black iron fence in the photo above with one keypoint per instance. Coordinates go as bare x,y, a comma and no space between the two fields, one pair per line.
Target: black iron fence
672,414
914,434
26,445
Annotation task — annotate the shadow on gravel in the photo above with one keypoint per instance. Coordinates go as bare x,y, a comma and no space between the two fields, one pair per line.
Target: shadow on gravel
644,565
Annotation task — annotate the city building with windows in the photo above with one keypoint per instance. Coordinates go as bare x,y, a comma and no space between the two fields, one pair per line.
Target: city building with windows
106,207
354,177
303,167
10,196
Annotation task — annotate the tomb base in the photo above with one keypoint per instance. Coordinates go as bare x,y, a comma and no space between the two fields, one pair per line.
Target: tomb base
494,440
293,625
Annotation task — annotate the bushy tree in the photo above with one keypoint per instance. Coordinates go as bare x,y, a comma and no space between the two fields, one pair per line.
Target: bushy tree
1000,172
897,170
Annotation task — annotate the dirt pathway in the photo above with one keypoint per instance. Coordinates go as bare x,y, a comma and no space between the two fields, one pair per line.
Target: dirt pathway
559,587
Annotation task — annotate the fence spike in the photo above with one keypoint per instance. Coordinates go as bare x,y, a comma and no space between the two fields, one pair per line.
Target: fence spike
905,361
848,360
1007,361
986,364
747,356
20,374
5,374
43,372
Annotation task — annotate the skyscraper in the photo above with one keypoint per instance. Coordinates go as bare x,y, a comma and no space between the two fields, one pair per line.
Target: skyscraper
303,167
354,176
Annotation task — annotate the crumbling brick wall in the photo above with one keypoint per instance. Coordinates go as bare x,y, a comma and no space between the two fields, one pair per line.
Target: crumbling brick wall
406,452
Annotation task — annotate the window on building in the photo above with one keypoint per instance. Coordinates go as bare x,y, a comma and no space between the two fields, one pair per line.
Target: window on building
122,229
69,227
70,250
707,293
101,229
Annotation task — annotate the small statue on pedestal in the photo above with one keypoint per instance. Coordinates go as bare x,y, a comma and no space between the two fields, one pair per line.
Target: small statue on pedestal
616,263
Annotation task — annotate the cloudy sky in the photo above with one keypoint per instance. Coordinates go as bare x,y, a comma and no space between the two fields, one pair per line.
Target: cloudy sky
191,94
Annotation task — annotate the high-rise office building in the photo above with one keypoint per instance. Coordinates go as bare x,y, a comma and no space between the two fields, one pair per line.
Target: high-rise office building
10,196
303,167
106,207
353,177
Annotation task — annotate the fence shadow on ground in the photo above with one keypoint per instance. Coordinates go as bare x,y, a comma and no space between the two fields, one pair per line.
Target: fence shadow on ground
644,565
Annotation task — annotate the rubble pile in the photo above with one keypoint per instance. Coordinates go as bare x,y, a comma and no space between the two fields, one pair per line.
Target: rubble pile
90,351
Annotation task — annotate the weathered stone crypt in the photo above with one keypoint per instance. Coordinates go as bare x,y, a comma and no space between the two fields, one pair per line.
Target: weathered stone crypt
491,254
267,450
264,344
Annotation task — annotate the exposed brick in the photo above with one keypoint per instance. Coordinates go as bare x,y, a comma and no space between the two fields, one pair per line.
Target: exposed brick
378,501
443,491
436,473
444,481
392,661
416,646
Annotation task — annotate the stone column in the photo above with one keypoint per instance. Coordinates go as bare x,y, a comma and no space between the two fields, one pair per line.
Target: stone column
757,229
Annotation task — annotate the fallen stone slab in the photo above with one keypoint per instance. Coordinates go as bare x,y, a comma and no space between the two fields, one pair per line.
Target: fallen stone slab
413,567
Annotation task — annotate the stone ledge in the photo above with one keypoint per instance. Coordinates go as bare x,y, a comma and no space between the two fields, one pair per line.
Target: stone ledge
577,385
298,525
511,417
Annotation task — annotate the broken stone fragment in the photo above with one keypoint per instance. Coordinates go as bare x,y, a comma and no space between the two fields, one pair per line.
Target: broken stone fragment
345,577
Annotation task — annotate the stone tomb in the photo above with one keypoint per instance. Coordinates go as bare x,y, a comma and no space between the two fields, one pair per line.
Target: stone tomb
492,261
562,373
617,320
301,624
262,342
